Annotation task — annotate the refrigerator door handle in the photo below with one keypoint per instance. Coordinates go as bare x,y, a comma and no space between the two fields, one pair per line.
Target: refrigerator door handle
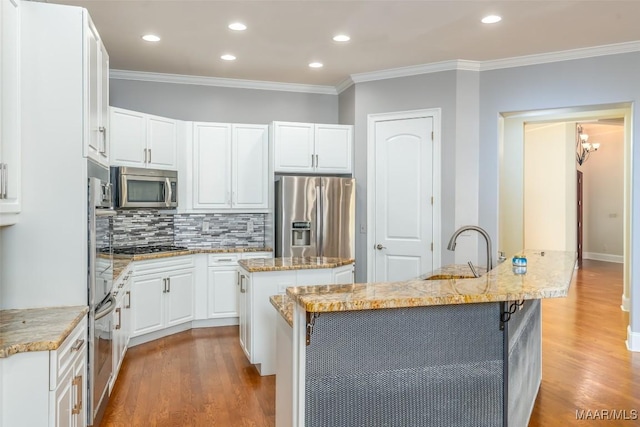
319,221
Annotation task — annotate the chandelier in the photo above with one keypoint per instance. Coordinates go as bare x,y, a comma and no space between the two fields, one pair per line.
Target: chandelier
583,147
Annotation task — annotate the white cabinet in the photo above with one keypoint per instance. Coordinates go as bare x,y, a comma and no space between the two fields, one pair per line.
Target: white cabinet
121,324
10,142
257,317
312,148
223,283
162,295
230,166
96,144
143,140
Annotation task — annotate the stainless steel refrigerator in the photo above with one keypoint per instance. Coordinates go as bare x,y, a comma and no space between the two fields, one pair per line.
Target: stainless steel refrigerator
315,216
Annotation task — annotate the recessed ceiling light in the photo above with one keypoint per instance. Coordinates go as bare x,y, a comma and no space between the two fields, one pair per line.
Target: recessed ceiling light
151,38
491,19
341,38
228,57
316,65
237,26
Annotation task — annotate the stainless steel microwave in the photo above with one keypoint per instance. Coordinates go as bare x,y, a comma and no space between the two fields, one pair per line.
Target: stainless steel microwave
144,188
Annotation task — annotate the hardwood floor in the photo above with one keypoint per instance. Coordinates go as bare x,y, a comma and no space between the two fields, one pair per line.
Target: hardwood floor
202,378
199,377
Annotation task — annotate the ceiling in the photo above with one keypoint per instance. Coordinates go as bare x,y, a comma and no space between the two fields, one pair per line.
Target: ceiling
283,37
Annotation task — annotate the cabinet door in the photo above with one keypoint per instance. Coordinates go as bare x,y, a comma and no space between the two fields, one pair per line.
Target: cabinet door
333,147
162,143
179,296
250,181
9,111
126,317
147,304
128,138
343,275
243,313
92,135
211,165
63,401
103,122
222,291
79,383
293,147
117,342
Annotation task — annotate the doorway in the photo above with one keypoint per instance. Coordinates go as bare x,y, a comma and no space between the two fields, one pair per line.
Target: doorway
511,201
403,184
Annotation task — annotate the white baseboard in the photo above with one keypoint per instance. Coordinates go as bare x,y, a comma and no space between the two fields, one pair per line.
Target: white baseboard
603,257
212,323
204,323
626,303
633,340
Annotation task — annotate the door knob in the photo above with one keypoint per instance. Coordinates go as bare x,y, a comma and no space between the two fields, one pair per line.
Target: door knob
380,247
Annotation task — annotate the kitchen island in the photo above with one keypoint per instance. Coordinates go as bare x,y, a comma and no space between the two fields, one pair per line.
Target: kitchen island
448,352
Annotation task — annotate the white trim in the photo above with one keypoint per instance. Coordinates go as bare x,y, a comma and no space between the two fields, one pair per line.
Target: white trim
344,85
563,55
633,340
220,82
603,257
372,119
626,304
415,70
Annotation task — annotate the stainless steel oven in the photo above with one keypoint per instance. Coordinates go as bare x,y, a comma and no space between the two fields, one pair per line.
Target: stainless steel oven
100,299
145,188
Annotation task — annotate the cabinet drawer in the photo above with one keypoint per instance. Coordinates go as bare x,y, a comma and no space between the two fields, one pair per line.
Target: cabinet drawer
158,265
62,358
231,259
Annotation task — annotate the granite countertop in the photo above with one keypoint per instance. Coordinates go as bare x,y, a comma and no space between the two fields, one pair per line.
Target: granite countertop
284,305
121,262
37,329
547,276
294,263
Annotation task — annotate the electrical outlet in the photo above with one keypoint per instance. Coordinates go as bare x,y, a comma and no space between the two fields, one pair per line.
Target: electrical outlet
205,225
249,226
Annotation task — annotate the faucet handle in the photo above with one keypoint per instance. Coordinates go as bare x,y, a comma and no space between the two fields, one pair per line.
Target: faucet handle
501,257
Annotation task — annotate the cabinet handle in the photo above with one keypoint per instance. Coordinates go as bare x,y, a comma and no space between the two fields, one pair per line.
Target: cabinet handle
164,286
77,345
4,169
224,259
317,164
128,294
149,155
145,155
312,161
168,284
242,288
77,382
119,311
103,131
237,278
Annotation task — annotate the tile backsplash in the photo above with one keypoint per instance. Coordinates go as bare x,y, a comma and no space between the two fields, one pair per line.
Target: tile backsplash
148,227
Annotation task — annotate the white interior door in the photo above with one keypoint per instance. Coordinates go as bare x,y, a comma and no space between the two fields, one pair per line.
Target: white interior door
403,192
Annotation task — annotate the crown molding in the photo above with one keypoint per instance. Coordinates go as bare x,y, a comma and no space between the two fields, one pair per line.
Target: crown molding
344,85
220,82
564,55
415,70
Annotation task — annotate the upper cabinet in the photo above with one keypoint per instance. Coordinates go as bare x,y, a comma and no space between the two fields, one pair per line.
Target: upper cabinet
230,166
9,111
96,144
143,140
312,148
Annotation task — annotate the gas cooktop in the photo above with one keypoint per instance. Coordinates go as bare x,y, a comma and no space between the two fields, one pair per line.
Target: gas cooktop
152,249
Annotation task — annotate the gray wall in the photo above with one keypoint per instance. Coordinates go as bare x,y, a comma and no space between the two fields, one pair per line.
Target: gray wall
437,90
221,104
347,106
593,81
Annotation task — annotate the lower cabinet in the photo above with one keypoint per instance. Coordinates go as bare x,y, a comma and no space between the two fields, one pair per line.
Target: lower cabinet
257,317
47,388
162,300
162,297
121,325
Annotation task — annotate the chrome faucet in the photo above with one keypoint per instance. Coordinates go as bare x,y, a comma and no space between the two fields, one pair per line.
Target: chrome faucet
452,243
